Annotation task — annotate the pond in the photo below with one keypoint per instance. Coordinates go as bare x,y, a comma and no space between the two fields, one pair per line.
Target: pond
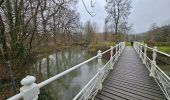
68,86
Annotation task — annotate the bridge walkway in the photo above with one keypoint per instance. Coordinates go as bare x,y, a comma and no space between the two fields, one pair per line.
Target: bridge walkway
129,80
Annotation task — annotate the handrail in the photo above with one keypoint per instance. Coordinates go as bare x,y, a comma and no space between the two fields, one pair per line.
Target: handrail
40,85
99,77
86,86
109,49
75,98
31,90
168,55
163,53
64,73
162,79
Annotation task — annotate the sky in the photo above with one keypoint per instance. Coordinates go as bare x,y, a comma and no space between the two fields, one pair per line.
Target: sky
143,13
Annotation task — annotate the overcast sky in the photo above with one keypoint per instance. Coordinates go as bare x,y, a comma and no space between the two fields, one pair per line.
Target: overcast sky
143,13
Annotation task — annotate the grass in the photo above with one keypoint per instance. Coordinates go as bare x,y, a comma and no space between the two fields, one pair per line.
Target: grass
165,49
104,44
127,43
163,61
93,48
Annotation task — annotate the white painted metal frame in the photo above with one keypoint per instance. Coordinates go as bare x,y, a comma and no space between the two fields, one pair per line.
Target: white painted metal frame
157,73
31,90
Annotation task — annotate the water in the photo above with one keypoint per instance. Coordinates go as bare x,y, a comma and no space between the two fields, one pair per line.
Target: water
68,86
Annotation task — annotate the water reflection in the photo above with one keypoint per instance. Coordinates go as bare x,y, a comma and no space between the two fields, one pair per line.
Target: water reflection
68,86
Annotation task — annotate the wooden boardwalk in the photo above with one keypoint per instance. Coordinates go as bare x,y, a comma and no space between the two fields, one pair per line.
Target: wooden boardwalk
129,80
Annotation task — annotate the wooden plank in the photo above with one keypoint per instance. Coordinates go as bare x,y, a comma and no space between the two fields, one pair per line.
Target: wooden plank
125,92
120,94
151,84
134,78
130,80
130,83
110,95
103,97
142,92
96,99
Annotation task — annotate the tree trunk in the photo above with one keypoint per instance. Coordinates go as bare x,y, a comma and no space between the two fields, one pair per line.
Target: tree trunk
116,33
5,54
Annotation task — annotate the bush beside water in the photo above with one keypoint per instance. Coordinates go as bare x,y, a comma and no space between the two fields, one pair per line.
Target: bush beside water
93,48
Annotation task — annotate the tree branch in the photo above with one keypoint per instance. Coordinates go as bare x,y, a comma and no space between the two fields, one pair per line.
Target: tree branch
92,14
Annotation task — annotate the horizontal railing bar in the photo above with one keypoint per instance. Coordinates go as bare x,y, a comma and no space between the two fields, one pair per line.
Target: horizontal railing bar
163,53
162,88
109,49
155,64
149,47
105,65
96,75
64,73
91,81
156,50
86,86
106,51
69,70
16,97
148,58
160,70
160,52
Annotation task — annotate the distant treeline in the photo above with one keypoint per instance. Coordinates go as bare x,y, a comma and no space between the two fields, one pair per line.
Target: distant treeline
156,35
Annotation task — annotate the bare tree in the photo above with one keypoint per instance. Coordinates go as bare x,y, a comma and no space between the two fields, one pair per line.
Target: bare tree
90,30
105,29
29,24
118,12
156,34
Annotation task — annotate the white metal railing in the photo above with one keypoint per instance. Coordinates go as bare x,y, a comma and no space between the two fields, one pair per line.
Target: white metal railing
30,90
156,72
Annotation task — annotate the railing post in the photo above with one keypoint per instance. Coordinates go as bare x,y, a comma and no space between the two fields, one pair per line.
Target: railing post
138,48
99,70
152,71
134,44
111,57
144,58
30,89
121,46
140,51
116,55
86,94
119,49
124,45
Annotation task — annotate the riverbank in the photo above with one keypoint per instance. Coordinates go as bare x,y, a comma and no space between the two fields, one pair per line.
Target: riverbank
53,64
44,51
41,52
93,48
22,70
